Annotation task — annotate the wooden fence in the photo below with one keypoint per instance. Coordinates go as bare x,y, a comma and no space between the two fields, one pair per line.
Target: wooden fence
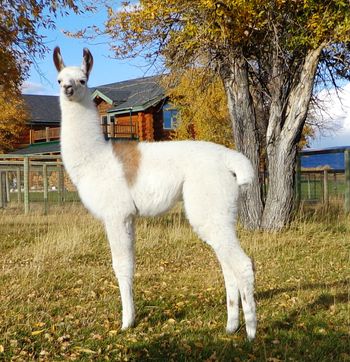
34,178
29,179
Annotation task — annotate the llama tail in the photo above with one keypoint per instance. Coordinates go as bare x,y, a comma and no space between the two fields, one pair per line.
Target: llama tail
240,165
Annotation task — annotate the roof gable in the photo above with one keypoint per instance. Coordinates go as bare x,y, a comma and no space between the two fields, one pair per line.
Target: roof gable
136,94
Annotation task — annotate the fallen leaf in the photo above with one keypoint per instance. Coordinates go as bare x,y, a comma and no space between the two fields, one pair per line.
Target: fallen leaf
84,350
35,333
39,324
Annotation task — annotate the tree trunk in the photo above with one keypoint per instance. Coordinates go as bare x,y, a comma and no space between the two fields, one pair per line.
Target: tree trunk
280,196
241,110
282,140
289,106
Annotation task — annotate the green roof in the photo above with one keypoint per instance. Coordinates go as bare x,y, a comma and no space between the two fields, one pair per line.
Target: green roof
39,148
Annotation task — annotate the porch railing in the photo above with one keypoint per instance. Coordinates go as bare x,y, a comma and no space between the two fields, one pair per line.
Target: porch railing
115,131
44,135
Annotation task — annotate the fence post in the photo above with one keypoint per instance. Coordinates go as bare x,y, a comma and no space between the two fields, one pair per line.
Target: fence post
347,180
7,186
298,181
26,183
47,134
19,185
325,188
46,188
60,184
308,187
2,200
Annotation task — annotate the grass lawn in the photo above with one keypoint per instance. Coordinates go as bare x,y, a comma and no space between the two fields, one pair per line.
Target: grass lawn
59,299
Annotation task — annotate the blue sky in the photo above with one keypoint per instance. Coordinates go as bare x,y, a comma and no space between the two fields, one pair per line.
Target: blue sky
108,70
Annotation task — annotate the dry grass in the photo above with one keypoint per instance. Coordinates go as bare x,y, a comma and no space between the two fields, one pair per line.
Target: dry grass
59,299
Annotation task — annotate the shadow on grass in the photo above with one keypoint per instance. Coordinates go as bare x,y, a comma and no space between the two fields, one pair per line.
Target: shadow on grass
200,345
267,294
274,344
302,335
323,302
315,337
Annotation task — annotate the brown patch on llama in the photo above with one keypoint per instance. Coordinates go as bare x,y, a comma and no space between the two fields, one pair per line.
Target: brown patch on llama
129,155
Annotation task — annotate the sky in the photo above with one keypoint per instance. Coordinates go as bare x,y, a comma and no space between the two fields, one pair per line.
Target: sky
335,113
42,79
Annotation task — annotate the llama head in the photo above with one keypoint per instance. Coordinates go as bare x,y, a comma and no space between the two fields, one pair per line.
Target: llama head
73,80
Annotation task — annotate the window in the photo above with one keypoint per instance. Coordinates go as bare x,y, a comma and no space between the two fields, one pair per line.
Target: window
104,120
169,117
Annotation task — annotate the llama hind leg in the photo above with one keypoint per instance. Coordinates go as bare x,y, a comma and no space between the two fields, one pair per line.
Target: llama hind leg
238,274
121,239
210,203
232,301
239,266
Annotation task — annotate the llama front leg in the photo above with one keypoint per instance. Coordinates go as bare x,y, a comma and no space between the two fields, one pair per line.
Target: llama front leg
121,240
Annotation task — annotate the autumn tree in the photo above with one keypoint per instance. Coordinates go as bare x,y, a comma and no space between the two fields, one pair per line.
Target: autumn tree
273,48
20,43
21,40
199,97
13,117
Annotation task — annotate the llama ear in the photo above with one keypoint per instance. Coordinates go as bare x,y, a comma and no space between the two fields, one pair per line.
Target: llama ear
88,61
57,59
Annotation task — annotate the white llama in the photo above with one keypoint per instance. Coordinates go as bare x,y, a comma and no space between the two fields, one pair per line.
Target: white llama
117,181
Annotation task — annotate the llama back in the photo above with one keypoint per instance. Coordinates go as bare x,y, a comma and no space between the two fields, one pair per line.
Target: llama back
241,166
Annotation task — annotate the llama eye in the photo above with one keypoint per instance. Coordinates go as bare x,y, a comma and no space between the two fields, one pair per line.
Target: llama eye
59,82
82,82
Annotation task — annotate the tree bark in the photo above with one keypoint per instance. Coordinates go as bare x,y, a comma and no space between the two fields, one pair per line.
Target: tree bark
242,114
282,140
290,100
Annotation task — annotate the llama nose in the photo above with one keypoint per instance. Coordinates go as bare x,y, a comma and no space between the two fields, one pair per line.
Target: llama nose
68,89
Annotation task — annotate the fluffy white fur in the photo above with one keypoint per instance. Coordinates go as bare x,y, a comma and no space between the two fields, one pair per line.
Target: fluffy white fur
205,175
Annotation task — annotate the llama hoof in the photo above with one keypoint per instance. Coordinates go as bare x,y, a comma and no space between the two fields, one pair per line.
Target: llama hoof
232,327
251,332
127,325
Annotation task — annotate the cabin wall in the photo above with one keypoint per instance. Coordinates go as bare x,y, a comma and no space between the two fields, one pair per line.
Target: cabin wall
142,121
149,123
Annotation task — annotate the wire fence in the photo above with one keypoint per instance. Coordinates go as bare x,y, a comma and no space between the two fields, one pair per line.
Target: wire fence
317,182
323,186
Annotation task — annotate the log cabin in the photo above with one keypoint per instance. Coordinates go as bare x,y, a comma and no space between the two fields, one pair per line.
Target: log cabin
136,109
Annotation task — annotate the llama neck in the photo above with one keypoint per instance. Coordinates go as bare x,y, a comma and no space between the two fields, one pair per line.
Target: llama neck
81,135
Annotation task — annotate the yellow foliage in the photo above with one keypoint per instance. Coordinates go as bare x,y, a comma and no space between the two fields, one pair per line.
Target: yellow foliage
12,119
200,98
201,101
